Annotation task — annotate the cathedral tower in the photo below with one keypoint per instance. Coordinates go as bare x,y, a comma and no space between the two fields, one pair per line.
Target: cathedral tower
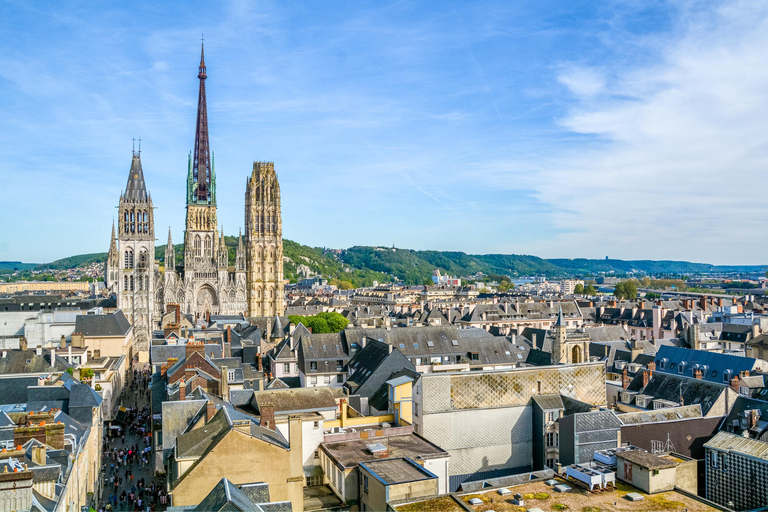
135,258
264,242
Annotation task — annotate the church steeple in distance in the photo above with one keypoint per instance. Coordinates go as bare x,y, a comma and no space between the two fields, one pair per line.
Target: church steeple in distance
202,165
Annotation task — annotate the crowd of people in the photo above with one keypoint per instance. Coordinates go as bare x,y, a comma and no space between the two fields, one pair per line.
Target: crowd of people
129,481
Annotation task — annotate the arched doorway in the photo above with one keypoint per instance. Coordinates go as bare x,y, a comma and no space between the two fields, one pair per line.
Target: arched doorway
576,354
207,304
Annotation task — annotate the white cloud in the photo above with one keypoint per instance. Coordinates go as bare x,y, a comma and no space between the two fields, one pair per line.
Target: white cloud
583,81
681,148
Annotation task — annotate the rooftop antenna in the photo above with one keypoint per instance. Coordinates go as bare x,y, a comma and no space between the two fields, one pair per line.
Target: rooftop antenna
133,149
139,146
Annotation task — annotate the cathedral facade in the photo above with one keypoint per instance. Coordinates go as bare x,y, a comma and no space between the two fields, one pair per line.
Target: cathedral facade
202,282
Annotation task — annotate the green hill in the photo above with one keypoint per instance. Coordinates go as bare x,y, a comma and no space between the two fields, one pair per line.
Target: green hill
362,265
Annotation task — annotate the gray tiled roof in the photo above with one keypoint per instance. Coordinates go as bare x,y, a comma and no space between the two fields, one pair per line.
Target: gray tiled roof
114,324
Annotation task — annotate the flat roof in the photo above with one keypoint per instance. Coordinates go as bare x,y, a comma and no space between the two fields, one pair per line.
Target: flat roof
576,500
351,453
397,471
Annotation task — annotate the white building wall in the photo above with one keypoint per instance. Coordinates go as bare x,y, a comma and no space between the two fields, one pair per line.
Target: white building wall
482,440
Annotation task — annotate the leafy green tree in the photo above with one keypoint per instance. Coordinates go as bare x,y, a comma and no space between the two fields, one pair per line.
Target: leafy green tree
578,289
322,322
590,290
618,291
626,290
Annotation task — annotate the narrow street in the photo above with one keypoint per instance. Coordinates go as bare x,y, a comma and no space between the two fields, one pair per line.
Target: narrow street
127,470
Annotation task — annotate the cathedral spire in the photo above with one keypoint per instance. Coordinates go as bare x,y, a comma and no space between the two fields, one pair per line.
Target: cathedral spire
202,159
112,255
135,189
170,254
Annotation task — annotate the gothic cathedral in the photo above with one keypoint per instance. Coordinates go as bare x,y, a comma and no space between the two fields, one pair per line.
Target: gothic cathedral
203,283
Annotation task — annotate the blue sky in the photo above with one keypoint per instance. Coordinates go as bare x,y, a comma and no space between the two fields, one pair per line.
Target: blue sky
561,129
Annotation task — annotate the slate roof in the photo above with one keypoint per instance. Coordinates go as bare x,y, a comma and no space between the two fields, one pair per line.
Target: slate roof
373,367
225,496
714,366
549,402
176,417
669,387
258,492
15,389
595,420
286,401
135,189
114,324
27,361
194,443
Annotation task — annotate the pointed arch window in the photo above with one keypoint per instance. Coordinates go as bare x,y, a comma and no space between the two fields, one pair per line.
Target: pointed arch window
125,283
208,246
126,221
131,281
197,246
128,258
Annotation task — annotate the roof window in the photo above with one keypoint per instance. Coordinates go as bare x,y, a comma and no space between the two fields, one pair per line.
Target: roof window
455,343
430,343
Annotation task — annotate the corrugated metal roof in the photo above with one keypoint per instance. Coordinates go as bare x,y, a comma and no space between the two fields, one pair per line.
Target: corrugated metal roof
725,441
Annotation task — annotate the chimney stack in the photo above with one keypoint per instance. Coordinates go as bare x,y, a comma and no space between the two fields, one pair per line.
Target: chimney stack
647,377
735,384
210,411
698,374
267,416
652,366
624,378
63,342
38,455
182,390
224,383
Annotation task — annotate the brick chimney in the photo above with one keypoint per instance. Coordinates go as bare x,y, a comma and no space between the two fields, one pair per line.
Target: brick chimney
735,384
182,390
195,346
624,379
752,418
641,305
698,374
210,411
51,434
647,377
267,416
652,366
259,362
163,370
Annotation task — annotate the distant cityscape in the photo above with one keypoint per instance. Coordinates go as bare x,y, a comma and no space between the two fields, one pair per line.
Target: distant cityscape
253,373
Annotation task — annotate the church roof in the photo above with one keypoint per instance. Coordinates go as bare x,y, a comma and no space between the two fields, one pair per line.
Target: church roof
135,189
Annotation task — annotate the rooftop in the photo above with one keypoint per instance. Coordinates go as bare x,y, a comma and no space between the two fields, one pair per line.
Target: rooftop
351,453
397,471
542,496
646,460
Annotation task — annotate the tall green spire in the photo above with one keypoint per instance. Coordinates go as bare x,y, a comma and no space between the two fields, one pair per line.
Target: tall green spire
190,180
213,180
